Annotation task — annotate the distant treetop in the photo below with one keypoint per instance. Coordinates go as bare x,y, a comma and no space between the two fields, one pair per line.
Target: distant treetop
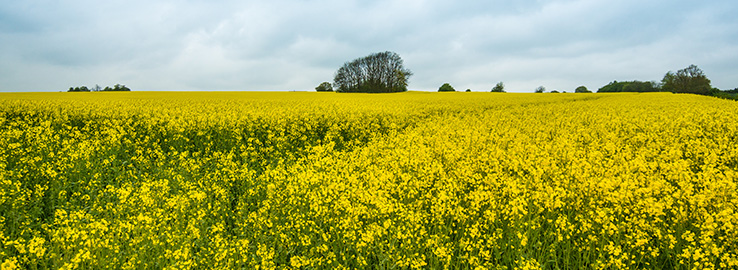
446,87
582,89
499,87
324,87
629,86
117,87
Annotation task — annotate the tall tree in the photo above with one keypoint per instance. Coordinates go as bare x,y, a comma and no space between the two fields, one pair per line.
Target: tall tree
540,89
688,80
376,73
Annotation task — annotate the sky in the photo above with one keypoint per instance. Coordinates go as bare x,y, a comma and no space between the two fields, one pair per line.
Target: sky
297,44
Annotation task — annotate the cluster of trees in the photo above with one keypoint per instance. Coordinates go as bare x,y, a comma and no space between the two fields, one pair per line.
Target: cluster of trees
97,88
376,73
446,87
630,86
688,80
729,94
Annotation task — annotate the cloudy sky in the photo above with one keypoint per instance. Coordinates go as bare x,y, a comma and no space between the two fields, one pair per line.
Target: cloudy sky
296,44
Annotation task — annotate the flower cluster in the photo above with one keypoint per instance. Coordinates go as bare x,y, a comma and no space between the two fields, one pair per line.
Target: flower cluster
354,181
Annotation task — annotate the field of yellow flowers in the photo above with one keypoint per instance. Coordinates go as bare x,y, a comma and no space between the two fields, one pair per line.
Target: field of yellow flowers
239,180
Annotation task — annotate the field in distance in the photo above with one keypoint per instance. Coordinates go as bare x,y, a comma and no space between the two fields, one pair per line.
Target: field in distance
143,180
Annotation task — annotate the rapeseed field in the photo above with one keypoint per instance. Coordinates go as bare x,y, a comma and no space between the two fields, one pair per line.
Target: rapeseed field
237,180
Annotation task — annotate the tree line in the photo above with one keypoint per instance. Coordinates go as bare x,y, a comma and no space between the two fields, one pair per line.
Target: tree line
630,86
97,88
688,80
385,72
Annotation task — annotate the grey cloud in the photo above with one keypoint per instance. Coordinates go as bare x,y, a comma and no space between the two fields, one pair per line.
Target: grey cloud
287,44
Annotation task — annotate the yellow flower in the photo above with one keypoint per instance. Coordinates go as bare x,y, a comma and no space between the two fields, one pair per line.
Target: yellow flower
10,264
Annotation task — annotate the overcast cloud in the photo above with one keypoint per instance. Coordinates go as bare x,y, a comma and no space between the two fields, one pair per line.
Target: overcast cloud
295,45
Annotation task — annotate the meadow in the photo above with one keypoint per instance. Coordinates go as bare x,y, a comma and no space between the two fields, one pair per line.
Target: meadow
242,180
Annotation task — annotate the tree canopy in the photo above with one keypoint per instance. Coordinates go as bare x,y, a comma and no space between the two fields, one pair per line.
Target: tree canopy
376,73
499,87
582,89
446,87
117,87
324,87
97,88
629,86
78,89
687,80
540,89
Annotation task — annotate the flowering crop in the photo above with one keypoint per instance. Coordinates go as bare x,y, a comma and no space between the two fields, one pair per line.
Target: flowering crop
411,180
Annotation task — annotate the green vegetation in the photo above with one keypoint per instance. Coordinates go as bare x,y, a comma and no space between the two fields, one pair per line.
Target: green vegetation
499,88
582,89
384,72
78,89
446,87
117,88
727,94
691,80
324,87
688,80
629,86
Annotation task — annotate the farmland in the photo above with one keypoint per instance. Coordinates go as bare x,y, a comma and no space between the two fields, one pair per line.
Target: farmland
180,180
